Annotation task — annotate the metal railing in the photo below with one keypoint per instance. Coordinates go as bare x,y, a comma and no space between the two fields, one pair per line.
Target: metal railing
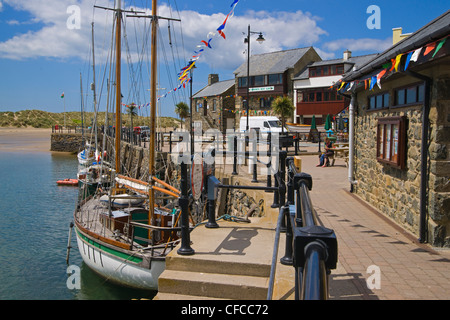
310,247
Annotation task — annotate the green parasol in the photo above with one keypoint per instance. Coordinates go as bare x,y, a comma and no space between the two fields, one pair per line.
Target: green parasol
328,122
313,122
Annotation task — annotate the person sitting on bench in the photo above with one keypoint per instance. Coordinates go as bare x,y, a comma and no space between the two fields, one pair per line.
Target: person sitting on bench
324,158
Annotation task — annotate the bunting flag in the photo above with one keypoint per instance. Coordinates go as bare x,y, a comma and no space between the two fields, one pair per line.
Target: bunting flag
397,61
379,76
439,47
429,48
416,54
408,59
62,95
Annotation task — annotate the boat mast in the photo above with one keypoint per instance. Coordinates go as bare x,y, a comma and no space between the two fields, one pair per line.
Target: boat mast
118,89
93,90
152,110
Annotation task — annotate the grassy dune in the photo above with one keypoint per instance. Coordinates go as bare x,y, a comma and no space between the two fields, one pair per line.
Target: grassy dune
43,119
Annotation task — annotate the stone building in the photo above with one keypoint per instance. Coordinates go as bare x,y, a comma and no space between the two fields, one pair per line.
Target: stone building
271,76
400,132
213,105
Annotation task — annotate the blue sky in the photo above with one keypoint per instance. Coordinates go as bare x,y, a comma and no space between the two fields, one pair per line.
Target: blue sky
41,57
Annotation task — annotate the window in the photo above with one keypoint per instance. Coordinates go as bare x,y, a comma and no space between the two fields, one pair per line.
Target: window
379,101
275,79
324,71
410,95
258,80
391,141
242,82
318,95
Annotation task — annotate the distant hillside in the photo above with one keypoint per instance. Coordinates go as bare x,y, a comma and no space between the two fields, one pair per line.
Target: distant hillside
43,119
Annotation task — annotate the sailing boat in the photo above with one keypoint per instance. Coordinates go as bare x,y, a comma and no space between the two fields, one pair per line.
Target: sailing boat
120,232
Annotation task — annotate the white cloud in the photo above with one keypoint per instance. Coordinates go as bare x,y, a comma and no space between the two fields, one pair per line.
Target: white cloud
54,39
354,45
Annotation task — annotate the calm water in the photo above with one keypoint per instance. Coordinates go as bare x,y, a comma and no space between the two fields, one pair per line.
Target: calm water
35,215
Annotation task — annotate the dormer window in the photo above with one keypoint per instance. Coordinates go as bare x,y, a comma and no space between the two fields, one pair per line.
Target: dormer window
324,71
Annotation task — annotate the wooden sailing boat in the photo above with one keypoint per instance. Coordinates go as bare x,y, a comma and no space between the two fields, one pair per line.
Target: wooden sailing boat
128,243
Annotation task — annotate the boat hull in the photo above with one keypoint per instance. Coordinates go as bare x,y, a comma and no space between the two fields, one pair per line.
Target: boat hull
117,266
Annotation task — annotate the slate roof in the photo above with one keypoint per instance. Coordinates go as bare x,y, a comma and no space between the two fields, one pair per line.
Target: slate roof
356,62
271,63
215,89
433,31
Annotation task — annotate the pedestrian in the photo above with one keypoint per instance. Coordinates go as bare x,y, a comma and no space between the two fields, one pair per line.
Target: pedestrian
324,158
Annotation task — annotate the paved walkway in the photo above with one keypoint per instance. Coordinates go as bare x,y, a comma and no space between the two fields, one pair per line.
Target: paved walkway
377,259
368,241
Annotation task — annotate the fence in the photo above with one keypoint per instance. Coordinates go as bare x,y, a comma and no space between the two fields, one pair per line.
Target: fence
310,247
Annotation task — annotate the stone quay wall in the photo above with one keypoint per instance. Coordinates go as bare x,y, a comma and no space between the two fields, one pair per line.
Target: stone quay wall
66,142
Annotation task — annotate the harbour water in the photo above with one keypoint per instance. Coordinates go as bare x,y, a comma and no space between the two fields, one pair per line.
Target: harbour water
35,215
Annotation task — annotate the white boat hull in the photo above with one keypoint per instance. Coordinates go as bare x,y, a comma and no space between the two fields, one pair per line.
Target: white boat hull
118,269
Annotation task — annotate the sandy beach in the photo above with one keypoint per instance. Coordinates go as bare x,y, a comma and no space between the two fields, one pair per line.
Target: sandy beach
25,139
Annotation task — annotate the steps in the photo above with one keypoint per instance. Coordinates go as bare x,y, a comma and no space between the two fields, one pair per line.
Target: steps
231,262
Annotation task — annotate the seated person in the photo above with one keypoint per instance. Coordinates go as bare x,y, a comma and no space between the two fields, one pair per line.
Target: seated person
324,158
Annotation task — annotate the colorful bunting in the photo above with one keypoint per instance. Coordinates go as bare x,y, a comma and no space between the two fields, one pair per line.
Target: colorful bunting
394,64
184,72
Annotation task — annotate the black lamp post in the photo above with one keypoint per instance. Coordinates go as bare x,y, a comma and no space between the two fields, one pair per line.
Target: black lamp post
247,40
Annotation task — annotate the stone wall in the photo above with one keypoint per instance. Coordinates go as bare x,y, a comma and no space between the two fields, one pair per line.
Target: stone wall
396,192
66,142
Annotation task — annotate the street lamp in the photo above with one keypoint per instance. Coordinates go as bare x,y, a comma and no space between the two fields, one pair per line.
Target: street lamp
247,40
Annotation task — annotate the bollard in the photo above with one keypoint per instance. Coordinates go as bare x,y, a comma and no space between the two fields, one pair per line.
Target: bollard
185,248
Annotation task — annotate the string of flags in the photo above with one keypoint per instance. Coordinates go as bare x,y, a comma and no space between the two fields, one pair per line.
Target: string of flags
394,66
204,44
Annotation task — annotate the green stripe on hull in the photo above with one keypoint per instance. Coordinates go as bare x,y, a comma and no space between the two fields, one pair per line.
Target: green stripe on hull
116,253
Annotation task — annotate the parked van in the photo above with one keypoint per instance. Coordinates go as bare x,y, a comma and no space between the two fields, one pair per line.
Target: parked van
264,124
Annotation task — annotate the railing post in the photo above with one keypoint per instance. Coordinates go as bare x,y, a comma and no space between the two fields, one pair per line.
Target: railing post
213,183
276,195
269,162
183,201
234,156
170,141
290,183
255,156
288,258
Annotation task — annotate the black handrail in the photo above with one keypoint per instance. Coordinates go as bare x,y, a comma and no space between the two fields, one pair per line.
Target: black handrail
310,247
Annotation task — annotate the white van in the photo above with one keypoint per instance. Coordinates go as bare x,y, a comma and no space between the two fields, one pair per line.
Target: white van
263,124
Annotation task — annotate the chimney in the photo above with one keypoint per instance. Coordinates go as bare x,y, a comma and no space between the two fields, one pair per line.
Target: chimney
347,55
213,78
398,35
